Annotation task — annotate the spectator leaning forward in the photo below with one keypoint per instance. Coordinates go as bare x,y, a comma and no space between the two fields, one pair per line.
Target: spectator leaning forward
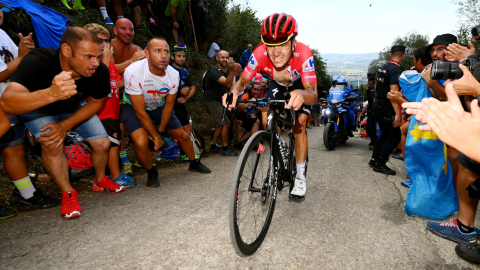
52,85
12,142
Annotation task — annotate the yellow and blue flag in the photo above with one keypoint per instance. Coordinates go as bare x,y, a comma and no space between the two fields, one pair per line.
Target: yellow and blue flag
432,193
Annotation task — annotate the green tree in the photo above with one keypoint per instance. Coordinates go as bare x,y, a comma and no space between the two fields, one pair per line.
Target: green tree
241,28
468,15
324,81
411,41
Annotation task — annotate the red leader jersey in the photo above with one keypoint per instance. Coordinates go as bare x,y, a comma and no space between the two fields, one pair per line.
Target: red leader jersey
111,107
302,66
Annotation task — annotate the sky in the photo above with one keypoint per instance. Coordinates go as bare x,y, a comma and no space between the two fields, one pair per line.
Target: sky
353,27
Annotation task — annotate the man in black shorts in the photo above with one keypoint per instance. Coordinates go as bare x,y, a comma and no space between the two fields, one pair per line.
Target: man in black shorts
199,11
51,86
175,13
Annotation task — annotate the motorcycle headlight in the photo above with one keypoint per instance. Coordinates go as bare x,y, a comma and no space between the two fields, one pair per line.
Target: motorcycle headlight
327,111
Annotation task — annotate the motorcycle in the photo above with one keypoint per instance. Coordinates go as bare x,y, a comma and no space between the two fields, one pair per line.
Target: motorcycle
338,106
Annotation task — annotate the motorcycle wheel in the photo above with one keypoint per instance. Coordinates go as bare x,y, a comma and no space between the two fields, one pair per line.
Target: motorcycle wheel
329,139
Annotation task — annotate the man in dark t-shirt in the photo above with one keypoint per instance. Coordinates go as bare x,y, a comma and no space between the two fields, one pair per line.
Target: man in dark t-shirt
48,89
217,82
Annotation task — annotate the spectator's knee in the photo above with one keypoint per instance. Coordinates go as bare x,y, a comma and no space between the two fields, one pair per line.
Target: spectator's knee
51,150
100,145
183,137
141,142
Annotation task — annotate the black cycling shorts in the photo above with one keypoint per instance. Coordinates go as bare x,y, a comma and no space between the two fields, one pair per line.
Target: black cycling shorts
469,163
247,121
181,25
276,92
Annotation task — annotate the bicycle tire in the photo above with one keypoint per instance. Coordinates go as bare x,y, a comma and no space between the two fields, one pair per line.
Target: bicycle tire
244,242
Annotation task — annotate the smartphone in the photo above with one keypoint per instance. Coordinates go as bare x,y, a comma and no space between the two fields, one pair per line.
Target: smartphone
230,54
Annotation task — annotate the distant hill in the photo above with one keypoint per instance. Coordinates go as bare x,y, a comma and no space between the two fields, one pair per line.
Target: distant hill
353,67
332,58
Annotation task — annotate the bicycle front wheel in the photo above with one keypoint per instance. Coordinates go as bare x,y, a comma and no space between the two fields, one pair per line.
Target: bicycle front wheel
253,195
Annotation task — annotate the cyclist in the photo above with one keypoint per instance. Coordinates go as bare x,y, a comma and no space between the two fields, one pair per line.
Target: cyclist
292,68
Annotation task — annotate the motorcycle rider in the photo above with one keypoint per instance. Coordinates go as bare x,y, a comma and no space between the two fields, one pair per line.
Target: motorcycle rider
342,85
387,114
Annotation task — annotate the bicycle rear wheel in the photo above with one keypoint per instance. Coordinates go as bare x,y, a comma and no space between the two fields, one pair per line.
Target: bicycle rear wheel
253,195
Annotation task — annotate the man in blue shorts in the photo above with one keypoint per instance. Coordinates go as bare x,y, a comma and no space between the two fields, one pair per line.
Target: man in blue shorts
152,85
51,85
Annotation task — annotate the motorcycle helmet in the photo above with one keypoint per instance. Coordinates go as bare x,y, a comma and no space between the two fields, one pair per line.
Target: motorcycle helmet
342,80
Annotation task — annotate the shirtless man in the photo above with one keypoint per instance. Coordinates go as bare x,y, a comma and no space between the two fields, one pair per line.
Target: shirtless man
124,54
124,51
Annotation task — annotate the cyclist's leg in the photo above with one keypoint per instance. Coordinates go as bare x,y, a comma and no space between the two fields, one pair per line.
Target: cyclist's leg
301,139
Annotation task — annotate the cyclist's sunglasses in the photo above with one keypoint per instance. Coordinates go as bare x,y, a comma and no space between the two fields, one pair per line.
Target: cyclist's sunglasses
271,42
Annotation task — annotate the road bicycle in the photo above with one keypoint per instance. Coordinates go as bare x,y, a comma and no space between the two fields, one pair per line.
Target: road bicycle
266,165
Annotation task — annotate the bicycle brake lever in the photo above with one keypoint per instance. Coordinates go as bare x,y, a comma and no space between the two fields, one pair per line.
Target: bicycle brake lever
293,114
228,101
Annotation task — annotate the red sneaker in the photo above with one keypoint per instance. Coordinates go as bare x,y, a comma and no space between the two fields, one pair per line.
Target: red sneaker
70,205
106,184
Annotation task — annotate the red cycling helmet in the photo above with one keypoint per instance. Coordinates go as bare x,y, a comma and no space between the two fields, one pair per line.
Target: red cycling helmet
279,28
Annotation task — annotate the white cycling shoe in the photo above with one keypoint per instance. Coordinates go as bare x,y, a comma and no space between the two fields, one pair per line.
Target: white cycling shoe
299,188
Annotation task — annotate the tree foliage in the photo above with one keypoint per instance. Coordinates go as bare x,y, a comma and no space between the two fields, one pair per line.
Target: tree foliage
324,81
412,41
241,28
468,15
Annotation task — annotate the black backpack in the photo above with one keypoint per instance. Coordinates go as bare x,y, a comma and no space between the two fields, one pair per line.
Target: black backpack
205,75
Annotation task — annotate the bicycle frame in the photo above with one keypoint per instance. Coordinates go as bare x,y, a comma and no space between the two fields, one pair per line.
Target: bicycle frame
278,158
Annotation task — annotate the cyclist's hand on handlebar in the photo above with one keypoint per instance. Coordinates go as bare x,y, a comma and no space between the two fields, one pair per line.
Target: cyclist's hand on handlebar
234,100
296,100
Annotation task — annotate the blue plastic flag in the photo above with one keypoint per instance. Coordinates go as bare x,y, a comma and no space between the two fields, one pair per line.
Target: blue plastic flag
432,193
49,24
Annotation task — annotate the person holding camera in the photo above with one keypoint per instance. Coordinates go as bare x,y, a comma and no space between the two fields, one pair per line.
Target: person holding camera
218,80
387,113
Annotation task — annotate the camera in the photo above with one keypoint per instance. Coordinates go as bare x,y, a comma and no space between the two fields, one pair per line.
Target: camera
447,70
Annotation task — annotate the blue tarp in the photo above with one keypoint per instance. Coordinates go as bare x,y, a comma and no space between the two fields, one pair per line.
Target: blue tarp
49,24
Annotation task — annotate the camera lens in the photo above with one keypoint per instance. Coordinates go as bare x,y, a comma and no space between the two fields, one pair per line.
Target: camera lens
446,70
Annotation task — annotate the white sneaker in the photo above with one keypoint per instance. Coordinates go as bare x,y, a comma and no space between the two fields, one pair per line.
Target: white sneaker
299,188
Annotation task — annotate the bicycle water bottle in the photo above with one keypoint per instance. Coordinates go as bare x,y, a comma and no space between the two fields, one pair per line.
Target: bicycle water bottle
190,121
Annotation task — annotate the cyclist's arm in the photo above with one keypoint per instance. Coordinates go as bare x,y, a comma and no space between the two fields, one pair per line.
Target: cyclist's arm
308,96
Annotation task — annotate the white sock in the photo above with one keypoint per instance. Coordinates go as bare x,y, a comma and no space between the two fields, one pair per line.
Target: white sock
103,10
120,17
301,171
25,187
